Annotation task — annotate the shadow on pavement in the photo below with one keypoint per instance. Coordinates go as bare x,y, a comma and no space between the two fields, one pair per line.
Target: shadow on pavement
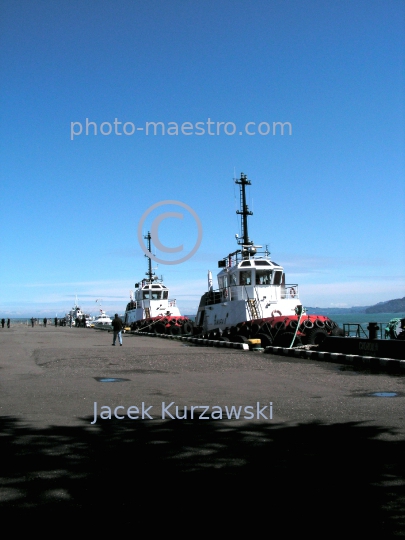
313,477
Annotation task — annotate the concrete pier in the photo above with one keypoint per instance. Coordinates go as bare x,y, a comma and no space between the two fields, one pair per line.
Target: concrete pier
312,438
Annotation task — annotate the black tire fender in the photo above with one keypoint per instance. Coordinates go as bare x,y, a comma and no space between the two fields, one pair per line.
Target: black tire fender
328,324
188,328
279,326
265,339
316,336
160,328
337,331
308,324
285,339
175,330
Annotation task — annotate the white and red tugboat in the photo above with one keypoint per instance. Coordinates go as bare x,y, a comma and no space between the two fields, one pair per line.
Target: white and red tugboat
253,299
151,309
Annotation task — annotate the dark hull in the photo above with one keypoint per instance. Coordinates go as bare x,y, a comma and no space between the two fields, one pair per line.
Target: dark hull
380,348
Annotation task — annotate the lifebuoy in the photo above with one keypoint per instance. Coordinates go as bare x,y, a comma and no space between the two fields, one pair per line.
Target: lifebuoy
276,313
292,292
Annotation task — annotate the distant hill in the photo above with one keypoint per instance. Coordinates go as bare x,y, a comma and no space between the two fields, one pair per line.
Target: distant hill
391,306
335,311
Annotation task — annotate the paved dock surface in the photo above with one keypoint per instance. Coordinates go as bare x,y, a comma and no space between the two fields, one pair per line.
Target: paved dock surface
313,441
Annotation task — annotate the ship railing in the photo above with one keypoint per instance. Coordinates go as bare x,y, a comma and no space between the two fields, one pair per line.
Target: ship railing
354,330
290,291
237,257
240,293
357,330
215,297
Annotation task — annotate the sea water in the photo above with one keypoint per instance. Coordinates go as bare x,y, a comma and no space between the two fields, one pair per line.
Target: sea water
364,318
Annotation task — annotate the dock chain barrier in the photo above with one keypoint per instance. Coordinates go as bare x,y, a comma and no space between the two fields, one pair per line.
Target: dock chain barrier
361,362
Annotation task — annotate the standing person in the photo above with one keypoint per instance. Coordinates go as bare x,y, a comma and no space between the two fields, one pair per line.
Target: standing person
8,323
45,321
84,321
3,321
70,321
32,322
56,322
117,327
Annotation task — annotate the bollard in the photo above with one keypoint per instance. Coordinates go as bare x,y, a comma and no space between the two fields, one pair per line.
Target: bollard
372,330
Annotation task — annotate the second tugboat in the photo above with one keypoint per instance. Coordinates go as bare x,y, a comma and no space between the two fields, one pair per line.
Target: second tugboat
253,299
151,310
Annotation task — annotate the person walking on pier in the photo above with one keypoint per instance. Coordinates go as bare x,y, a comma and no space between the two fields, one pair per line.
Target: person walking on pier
117,325
32,322
8,323
3,322
45,321
56,322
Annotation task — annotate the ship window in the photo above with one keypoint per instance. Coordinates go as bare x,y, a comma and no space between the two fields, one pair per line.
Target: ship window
277,277
246,263
165,295
262,263
221,282
146,295
245,277
155,286
156,295
263,277
233,278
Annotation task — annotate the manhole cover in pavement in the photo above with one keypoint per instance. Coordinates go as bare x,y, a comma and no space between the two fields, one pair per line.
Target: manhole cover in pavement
110,379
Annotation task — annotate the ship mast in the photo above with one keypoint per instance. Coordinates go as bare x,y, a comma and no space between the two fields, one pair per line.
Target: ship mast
149,273
244,212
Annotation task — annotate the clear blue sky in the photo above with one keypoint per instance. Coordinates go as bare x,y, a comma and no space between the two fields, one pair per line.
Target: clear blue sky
328,199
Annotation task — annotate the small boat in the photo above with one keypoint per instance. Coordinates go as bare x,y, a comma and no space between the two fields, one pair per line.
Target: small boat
102,320
253,299
151,310
76,316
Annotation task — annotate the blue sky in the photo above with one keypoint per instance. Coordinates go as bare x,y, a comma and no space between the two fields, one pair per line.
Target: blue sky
328,199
